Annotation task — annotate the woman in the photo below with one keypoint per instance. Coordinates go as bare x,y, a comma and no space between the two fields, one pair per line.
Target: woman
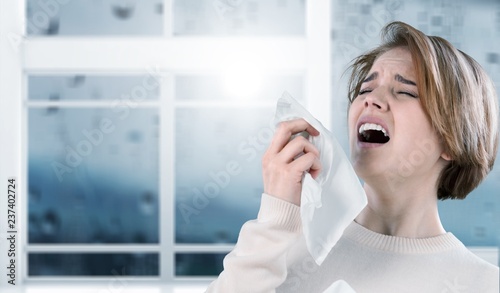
423,126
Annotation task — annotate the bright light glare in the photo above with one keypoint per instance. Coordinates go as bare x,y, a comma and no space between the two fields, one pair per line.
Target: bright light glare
242,78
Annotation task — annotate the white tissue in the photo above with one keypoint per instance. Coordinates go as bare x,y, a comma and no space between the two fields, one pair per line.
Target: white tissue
339,286
332,201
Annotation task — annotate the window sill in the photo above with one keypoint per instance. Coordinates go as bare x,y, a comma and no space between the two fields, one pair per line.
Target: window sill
490,254
108,287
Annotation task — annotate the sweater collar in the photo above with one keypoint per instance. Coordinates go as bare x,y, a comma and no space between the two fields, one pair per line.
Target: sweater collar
366,237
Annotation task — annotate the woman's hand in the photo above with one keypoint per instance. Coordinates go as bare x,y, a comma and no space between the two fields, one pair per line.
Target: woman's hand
283,165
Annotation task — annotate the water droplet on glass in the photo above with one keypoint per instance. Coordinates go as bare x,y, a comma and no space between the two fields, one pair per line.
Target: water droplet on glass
147,203
139,237
50,223
54,97
76,81
123,10
221,237
492,58
159,8
34,195
135,136
53,28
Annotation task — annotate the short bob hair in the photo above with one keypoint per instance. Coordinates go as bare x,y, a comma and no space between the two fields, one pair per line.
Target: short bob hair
458,97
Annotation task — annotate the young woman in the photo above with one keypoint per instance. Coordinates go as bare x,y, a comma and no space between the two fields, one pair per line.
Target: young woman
423,126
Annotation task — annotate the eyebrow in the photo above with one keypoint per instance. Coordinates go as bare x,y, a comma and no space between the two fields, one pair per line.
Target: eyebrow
404,80
371,77
397,77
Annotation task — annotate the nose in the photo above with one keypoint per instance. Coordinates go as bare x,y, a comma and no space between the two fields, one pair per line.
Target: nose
376,99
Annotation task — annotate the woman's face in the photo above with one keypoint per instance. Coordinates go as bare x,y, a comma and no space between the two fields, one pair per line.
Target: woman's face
391,138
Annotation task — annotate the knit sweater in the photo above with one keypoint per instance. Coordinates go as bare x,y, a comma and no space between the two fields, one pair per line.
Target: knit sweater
271,256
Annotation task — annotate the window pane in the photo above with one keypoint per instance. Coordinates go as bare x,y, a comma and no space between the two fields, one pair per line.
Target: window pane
93,264
267,88
92,18
198,264
134,88
239,17
93,175
218,171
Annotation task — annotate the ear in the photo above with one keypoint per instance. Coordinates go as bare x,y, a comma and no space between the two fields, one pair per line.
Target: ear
445,156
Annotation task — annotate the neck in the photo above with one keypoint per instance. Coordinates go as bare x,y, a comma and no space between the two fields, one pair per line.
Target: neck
412,212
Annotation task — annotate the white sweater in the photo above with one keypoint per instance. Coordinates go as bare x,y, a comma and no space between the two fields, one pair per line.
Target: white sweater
271,256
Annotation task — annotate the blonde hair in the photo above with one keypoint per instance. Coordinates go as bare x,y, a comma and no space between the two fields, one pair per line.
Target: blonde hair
458,97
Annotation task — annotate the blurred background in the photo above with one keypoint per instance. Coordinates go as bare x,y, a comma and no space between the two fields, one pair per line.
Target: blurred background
115,169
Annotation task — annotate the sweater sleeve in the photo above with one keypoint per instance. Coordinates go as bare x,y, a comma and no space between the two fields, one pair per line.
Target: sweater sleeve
258,261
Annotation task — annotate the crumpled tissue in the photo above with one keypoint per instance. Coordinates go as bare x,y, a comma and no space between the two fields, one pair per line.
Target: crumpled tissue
330,202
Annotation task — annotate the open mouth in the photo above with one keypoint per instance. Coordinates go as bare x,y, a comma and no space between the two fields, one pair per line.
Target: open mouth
372,133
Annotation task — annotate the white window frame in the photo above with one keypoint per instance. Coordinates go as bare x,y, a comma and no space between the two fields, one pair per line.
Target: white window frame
20,56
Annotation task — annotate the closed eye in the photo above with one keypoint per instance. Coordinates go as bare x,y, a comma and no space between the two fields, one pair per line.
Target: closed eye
409,94
364,91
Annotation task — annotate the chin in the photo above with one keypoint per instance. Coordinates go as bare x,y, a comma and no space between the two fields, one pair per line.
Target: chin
370,171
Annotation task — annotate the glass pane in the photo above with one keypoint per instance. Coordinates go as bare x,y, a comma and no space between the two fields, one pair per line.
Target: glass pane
239,17
268,88
471,26
218,171
93,175
93,18
93,264
198,264
133,88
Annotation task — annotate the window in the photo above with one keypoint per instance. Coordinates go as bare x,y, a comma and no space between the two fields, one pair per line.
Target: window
137,135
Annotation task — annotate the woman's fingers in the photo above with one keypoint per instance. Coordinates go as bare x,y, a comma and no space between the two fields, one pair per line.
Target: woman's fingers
283,176
285,130
297,146
286,160
308,162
